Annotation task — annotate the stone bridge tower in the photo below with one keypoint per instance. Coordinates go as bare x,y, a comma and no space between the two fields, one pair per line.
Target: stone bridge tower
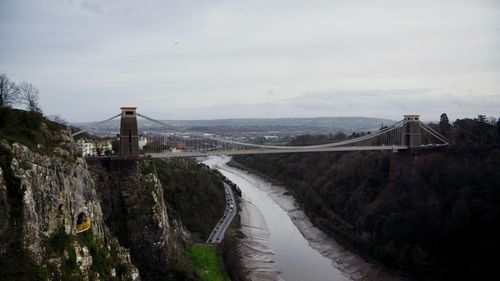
411,135
129,139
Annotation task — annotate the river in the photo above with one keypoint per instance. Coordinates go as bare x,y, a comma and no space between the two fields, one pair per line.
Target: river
281,243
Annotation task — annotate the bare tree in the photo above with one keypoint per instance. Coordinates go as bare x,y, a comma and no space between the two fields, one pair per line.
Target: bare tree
9,92
29,96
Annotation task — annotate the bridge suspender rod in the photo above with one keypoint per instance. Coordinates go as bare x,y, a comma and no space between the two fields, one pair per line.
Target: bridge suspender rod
434,133
347,142
430,132
396,126
380,137
159,146
442,138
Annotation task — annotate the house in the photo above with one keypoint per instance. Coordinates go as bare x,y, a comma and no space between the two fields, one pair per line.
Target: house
94,147
142,142
86,147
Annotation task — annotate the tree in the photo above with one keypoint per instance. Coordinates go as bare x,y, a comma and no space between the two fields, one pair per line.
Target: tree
481,119
29,96
339,136
444,124
9,92
498,130
115,144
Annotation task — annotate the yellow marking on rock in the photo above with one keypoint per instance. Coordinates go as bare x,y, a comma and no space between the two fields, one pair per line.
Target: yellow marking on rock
83,226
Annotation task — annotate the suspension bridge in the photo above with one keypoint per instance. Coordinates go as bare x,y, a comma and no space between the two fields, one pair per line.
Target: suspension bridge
405,134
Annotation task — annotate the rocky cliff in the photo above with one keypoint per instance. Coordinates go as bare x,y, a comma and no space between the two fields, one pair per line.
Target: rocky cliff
136,212
43,195
47,192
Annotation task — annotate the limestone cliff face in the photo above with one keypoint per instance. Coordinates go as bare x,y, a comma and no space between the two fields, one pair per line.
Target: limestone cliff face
135,210
54,189
4,214
55,193
47,189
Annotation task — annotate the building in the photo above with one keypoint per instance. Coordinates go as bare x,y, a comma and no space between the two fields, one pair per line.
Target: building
272,138
86,147
94,147
142,142
103,147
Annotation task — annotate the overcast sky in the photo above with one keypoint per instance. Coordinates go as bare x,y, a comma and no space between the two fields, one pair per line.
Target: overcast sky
221,59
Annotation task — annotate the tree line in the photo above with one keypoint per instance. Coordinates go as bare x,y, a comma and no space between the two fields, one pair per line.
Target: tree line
477,131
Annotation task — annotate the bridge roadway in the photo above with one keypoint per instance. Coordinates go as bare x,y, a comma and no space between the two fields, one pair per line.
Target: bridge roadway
220,229
170,154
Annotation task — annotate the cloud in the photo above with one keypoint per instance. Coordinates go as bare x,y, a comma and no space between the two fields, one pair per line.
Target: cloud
94,7
390,104
104,54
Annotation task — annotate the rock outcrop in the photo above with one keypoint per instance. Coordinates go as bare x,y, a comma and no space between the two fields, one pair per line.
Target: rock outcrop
136,212
42,197
55,193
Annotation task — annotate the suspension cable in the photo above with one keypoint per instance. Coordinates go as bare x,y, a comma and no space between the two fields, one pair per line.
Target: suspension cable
97,124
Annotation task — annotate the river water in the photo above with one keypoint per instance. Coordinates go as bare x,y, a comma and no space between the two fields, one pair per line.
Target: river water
281,243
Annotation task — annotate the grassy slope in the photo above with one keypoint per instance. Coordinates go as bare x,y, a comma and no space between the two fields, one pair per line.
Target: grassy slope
207,262
26,128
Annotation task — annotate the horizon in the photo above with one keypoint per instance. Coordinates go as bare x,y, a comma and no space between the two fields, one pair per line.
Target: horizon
422,117
277,118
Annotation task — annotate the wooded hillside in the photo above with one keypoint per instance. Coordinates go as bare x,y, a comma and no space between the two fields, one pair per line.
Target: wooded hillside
432,213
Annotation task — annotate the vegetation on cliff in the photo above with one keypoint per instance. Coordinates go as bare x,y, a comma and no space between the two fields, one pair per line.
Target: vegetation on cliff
432,213
105,260
29,128
193,192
